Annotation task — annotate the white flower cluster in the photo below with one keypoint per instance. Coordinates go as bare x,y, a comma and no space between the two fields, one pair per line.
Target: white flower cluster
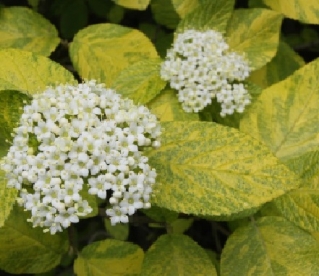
72,138
201,67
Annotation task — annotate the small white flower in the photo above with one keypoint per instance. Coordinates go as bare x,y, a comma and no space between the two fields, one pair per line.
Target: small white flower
200,66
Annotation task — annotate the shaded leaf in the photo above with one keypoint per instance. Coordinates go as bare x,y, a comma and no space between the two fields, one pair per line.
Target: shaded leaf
164,13
25,29
118,231
208,169
109,257
133,4
141,81
102,51
176,255
183,7
208,15
27,72
270,246
285,118
254,32
25,249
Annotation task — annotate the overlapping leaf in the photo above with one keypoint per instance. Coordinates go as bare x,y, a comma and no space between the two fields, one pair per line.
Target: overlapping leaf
164,13
285,118
301,206
25,249
25,29
176,255
133,4
209,169
208,15
183,7
141,81
118,231
167,108
280,67
102,51
28,72
254,32
305,11
109,257
270,246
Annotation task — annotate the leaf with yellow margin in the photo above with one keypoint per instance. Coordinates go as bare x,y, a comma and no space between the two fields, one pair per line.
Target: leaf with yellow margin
270,246
208,169
25,249
208,15
301,206
133,4
167,108
285,118
25,29
183,7
304,11
102,51
254,32
280,67
109,257
141,81
176,254
28,72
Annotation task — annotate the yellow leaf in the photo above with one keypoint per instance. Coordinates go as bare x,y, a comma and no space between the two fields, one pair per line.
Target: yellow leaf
25,249
141,81
305,11
208,169
254,32
109,257
133,4
167,108
176,255
102,51
270,246
285,118
184,7
28,72
25,29
280,67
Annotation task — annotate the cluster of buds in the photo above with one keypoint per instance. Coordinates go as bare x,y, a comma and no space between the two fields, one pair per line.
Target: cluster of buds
72,138
201,67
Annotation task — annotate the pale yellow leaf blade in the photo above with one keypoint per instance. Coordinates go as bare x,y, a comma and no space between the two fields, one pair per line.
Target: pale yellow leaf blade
102,51
133,4
208,169
270,246
28,72
176,254
285,118
25,29
254,32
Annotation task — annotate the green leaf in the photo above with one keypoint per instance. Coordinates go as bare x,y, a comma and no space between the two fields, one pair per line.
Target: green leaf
256,4
208,169
208,15
280,67
270,246
100,8
109,257
133,4
11,103
179,226
25,249
254,32
301,206
8,197
102,51
305,11
183,7
92,200
285,118
25,29
164,13
118,231
141,81
176,255
160,214
27,72
167,108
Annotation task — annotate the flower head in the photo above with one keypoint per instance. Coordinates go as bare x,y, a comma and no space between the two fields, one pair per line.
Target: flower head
201,67
79,137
